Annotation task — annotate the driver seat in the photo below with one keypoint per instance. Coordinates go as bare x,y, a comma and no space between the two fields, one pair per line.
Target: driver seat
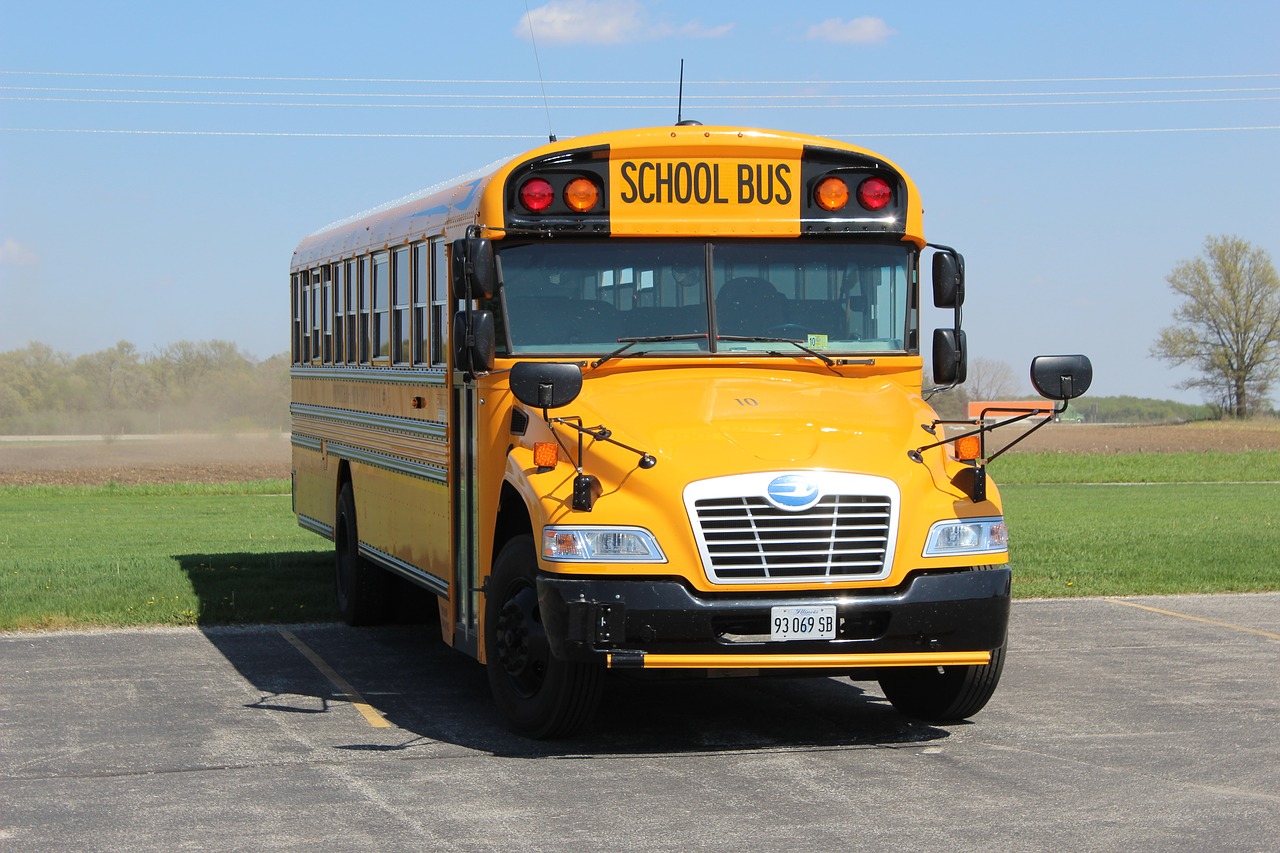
749,306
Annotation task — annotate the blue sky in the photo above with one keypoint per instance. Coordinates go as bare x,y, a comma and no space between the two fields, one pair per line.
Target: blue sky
159,161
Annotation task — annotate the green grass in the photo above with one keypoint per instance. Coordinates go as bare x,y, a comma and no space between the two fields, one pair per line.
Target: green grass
1252,466
158,555
233,553
1143,539
1141,523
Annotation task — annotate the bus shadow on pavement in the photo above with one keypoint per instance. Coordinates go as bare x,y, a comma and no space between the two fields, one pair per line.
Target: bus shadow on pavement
433,695
273,586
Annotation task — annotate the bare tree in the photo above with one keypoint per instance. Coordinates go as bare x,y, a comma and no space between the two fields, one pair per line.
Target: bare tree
1228,325
990,379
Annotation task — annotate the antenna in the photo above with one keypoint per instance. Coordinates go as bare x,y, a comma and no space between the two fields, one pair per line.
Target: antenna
551,134
680,96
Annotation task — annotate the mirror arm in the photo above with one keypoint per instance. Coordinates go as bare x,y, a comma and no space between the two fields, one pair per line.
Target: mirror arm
979,470
983,429
599,433
1047,418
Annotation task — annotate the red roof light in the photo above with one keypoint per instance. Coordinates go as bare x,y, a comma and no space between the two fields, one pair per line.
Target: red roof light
875,193
536,195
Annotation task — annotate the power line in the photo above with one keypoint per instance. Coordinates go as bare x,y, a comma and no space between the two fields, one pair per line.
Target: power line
934,81
1095,132
893,135
664,96
136,132
626,106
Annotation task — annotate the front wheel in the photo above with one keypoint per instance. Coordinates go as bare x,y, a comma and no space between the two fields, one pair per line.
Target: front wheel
944,694
542,696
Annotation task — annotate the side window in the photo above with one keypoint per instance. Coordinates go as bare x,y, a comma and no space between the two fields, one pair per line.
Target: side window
439,301
326,314
366,301
421,299
313,321
381,306
339,311
400,329
350,300
296,299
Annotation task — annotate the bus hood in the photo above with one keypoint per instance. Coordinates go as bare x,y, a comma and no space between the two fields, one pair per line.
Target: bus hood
720,419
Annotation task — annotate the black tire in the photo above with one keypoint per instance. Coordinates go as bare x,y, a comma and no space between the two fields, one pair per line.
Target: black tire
358,585
945,694
540,695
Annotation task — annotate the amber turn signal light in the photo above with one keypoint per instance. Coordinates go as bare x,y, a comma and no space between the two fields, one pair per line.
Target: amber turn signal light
546,454
581,195
831,194
968,448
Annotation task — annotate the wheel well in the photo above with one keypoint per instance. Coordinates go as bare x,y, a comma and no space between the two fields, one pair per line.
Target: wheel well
344,477
513,518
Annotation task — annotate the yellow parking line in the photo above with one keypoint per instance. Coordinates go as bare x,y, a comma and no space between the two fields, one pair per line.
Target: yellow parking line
366,710
1197,618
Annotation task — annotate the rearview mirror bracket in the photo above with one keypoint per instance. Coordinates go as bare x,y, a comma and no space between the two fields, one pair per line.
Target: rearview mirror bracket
1055,377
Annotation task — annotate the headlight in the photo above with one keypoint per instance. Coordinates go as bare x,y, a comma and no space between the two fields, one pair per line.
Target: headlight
600,545
967,536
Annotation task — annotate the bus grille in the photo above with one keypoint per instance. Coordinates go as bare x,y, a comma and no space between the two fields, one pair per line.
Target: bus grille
746,539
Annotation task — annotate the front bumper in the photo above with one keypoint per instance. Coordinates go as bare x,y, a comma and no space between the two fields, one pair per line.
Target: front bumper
949,618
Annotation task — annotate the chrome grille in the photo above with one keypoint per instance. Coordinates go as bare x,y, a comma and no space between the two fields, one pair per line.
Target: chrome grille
747,539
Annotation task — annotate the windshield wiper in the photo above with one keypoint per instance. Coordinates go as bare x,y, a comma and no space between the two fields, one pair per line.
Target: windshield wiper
628,343
750,340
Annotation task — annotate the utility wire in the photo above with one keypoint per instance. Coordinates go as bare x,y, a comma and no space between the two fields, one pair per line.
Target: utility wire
625,106
655,97
957,81
892,135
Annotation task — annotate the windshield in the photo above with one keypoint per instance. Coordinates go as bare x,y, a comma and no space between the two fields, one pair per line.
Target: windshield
586,298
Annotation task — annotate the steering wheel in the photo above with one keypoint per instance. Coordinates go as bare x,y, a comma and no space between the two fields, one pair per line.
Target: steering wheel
790,331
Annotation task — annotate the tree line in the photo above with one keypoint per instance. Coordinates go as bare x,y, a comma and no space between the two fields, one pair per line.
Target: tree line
205,386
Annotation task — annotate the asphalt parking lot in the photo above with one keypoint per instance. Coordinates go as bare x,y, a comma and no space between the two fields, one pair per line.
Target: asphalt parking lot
1120,724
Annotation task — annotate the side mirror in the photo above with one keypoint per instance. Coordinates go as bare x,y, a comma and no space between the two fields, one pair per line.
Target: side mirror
948,279
475,274
1061,377
950,356
547,385
473,349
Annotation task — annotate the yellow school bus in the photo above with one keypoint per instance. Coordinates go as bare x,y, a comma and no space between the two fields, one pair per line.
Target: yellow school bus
652,399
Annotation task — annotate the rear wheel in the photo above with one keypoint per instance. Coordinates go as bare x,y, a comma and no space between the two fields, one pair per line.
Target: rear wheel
944,694
542,696
358,584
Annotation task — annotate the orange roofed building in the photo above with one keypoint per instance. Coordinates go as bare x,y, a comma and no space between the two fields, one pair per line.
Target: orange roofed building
976,408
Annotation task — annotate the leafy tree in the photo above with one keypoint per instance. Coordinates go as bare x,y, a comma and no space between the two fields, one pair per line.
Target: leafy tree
36,377
1228,325
116,377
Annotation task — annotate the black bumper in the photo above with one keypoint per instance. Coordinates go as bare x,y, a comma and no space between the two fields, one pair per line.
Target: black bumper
626,618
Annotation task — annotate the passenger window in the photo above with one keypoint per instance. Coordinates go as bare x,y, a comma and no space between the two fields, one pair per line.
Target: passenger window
420,298
439,301
400,306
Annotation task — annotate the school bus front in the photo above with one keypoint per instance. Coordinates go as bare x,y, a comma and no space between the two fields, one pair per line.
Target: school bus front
705,395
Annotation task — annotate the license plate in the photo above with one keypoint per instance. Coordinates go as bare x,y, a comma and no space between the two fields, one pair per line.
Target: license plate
802,623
